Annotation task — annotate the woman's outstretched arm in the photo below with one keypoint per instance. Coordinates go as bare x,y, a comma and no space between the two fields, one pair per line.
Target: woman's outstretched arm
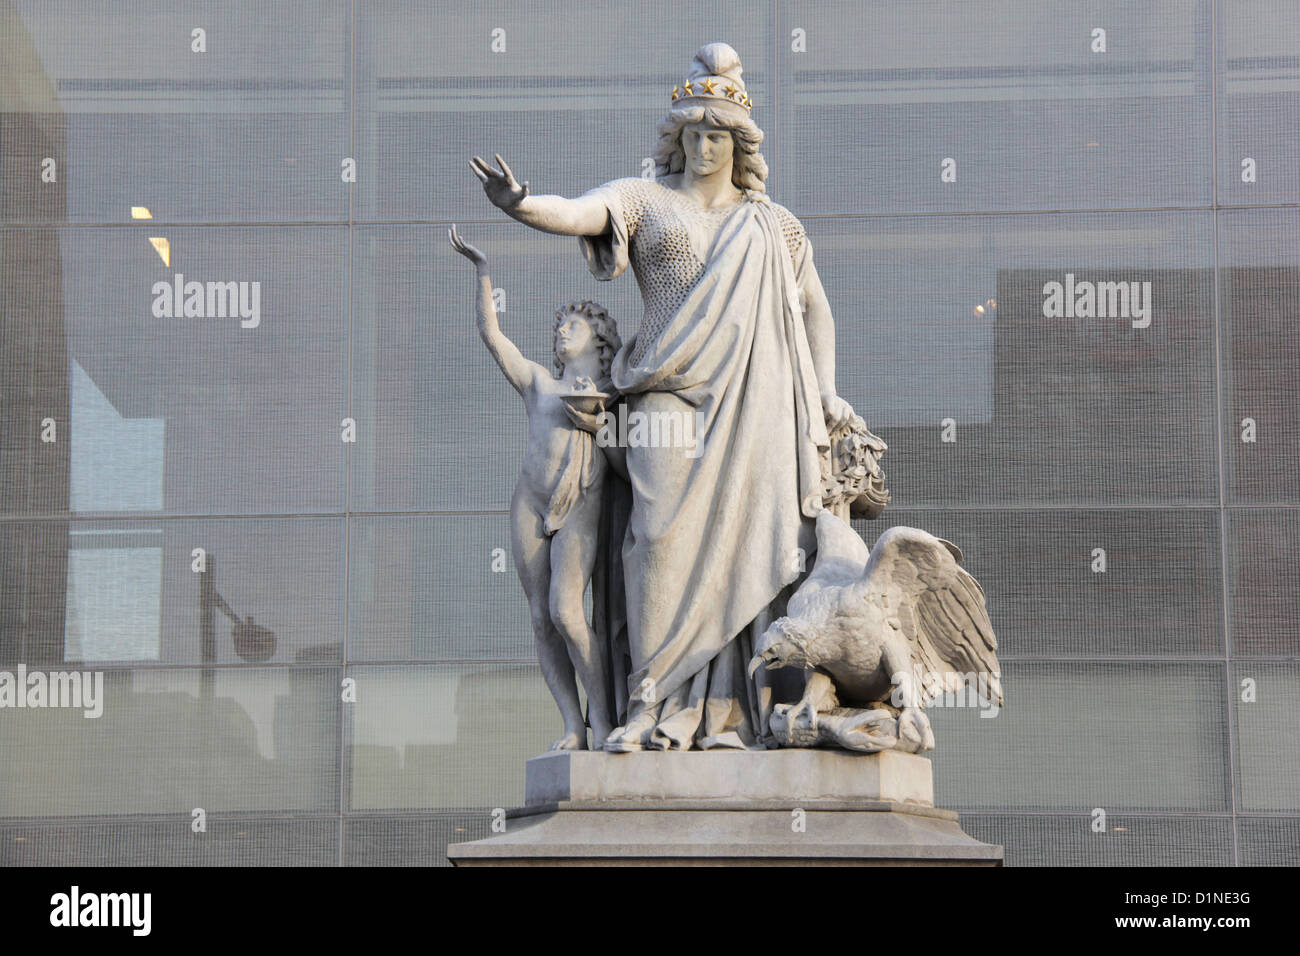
554,214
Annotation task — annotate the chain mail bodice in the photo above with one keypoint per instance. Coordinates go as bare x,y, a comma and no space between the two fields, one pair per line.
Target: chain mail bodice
669,233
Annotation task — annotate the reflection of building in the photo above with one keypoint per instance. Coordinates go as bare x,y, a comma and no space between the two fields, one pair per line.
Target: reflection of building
34,358
163,747
1103,403
418,741
1083,370
1261,311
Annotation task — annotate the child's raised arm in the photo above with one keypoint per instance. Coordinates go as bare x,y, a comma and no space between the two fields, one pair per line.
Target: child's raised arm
519,371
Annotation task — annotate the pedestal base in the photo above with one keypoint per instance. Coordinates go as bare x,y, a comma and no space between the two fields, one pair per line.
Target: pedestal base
783,808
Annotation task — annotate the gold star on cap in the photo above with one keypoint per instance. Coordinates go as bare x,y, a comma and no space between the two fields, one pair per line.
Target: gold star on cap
708,86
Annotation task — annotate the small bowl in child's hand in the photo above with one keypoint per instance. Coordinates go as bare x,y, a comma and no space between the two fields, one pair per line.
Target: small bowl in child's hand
589,403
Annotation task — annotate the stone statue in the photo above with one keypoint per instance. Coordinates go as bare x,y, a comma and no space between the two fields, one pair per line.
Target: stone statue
556,505
700,548
904,623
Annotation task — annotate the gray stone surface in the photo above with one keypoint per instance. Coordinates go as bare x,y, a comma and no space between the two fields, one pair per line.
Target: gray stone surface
793,776
899,836
786,808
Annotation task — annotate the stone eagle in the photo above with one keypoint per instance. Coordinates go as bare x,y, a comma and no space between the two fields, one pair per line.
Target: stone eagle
882,634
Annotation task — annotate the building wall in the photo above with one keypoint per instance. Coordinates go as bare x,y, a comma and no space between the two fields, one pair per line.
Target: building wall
948,160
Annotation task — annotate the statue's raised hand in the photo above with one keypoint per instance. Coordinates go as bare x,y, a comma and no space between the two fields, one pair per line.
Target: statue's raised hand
500,185
465,249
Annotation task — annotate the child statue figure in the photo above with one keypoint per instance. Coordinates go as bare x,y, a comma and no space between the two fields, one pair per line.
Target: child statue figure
555,510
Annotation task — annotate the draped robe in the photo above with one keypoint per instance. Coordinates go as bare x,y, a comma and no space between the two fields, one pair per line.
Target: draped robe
718,533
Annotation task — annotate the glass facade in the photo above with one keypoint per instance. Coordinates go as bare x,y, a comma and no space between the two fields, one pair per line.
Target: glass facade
273,515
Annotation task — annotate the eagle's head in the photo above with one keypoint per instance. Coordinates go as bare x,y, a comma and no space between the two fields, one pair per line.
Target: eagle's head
782,645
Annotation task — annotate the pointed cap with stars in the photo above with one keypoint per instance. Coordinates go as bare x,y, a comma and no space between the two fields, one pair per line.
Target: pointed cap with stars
714,80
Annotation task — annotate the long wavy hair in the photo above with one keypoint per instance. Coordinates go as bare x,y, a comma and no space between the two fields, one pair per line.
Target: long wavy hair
748,168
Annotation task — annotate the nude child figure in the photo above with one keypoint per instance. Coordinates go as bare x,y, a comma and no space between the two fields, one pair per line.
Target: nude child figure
555,510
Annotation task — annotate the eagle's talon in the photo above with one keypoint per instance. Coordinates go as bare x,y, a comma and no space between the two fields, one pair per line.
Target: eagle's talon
806,710
788,730
914,733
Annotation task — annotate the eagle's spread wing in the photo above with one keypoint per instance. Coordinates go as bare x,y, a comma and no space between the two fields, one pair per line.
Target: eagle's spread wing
939,607
841,559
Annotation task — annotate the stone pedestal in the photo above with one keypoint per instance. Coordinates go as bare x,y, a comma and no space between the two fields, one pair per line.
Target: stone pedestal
782,807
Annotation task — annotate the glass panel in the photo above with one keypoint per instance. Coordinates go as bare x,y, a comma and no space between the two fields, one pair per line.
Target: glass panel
434,588
253,127
1268,841
1154,590
1032,114
120,592
1258,99
567,108
271,590
1128,840
33,592
1117,736
951,347
1268,750
226,397
1265,601
449,736
1259,287
410,841
226,842
168,741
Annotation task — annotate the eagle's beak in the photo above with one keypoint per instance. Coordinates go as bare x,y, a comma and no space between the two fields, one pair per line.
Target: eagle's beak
765,653
767,659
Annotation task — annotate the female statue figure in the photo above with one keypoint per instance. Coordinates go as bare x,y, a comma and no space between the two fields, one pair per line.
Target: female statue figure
738,335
